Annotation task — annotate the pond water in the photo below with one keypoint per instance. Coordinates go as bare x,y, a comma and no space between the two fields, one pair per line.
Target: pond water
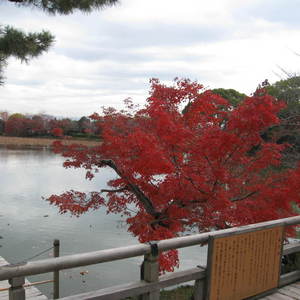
28,224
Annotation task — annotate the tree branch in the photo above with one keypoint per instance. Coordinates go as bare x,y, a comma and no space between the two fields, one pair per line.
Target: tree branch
114,191
244,197
194,185
134,189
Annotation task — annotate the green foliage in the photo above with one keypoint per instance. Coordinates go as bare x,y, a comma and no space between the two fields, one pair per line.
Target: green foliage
21,45
291,263
287,90
181,293
66,6
233,96
81,135
3,64
16,116
2,124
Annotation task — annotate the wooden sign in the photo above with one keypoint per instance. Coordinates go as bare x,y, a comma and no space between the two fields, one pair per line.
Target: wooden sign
244,265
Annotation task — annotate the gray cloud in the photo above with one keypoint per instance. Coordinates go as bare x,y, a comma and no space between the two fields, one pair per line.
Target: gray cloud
117,54
282,11
29,82
159,34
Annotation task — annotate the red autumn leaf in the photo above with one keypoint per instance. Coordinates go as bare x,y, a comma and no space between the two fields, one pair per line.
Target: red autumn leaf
207,168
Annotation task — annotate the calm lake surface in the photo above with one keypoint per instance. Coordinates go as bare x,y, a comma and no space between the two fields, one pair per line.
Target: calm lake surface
28,224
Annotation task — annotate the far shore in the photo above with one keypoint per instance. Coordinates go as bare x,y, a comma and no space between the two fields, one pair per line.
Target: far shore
42,142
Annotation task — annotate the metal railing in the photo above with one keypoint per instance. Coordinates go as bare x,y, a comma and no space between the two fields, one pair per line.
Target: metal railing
151,283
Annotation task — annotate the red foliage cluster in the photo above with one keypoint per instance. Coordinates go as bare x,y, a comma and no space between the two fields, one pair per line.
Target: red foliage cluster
45,125
57,132
207,168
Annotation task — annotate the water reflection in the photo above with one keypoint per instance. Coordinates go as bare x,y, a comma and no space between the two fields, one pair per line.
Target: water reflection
29,224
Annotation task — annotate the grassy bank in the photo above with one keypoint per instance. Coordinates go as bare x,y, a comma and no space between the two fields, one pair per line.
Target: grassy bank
41,142
184,292
181,293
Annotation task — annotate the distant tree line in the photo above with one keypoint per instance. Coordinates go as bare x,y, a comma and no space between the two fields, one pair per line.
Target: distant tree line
42,125
288,90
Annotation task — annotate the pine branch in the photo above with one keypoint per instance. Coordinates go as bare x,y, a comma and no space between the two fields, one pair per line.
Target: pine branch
66,7
16,43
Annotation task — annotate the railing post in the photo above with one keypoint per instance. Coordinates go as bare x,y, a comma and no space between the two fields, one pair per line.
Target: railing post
16,290
56,273
198,290
150,271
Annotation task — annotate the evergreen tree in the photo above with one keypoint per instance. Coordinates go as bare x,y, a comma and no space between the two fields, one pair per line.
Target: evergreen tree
65,6
288,91
16,43
24,46
233,96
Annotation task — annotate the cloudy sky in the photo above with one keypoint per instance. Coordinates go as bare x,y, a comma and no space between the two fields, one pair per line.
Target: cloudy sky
104,57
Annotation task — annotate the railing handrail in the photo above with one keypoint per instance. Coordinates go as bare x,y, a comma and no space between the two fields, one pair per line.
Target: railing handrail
101,256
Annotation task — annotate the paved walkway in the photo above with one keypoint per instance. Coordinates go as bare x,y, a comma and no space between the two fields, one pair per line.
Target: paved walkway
31,291
288,292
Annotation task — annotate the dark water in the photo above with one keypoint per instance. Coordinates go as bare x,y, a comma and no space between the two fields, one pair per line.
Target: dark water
28,224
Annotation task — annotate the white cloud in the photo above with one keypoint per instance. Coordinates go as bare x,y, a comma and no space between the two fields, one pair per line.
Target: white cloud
169,11
107,56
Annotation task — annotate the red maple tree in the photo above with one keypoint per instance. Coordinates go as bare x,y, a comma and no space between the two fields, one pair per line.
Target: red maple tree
207,168
57,131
